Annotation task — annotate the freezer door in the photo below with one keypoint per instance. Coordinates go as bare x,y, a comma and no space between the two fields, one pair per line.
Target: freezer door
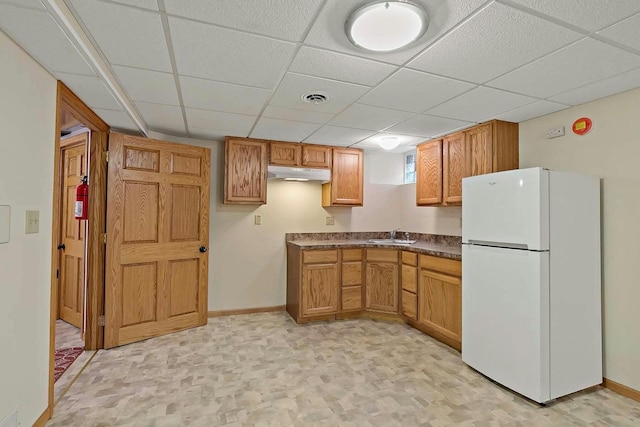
505,317
507,209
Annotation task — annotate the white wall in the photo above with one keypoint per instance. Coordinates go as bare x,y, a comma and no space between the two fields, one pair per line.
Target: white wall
27,123
611,151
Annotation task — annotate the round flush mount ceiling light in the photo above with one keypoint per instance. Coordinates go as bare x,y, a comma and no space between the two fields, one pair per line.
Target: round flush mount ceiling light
389,142
385,26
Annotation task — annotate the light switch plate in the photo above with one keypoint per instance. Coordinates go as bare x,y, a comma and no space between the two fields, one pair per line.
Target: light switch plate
257,219
5,223
32,222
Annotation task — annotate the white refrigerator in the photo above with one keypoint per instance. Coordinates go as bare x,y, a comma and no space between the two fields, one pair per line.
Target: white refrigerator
531,293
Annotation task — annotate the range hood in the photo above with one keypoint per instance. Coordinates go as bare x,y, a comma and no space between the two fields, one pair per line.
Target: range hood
298,174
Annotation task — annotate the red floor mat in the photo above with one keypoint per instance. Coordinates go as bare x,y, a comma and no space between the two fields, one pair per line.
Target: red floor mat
64,358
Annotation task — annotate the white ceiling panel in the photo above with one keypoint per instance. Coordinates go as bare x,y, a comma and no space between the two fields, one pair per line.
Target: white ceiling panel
283,130
116,119
590,15
91,90
428,126
339,136
369,117
127,36
283,19
225,123
480,104
296,115
162,118
32,4
465,55
414,91
584,62
215,53
39,34
537,109
211,135
620,83
338,66
294,86
231,98
328,30
626,32
145,4
148,86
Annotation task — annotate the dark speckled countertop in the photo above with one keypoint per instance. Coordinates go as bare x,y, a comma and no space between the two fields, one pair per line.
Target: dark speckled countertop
428,244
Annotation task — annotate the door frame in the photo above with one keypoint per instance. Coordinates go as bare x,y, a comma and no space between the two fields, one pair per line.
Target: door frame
97,168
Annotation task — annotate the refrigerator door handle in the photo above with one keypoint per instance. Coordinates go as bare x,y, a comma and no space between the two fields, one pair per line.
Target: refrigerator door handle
508,245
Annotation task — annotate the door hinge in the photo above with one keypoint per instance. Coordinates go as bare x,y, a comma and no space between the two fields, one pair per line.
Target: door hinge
101,321
106,156
57,274
104,238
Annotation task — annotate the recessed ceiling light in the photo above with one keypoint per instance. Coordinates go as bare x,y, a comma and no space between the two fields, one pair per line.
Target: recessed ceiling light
389,142
385,26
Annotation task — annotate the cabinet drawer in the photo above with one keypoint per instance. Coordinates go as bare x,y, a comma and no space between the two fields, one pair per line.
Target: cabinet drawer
382,255
352,255
352,298
409,305
443,265
410,258
313,257
409,278
351,273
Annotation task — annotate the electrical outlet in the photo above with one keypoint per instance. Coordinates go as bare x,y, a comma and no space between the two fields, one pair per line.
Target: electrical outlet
32,222
555,132
257,219
329,220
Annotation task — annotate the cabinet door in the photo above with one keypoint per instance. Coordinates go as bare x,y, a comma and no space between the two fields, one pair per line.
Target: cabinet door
429,173
319,289
284,153
453,167
440,304
479,150
382,286
347,177
316,156
245,167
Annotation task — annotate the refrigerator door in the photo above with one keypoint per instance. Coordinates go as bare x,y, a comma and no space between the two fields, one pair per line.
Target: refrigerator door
507,209
505,317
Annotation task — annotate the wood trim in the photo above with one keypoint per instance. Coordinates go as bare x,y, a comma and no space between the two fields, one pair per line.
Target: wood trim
74,140
435,334
621,389
80,110
220,313
42,419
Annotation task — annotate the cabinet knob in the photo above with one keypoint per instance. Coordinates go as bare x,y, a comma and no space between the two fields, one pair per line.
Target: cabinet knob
203,249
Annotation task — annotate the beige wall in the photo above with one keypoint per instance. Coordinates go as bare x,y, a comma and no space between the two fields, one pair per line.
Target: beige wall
27,123
611,151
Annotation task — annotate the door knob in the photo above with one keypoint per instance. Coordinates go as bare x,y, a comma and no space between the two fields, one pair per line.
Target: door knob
62,246
203,249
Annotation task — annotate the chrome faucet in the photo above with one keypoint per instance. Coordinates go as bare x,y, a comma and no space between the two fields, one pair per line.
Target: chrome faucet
392,233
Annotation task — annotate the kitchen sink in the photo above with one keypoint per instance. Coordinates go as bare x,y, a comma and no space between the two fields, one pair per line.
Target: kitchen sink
392,241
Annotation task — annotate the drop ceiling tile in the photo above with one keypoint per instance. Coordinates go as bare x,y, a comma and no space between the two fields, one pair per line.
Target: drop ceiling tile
283,130
32,4
39,34
531,111
612,85
493,42
221,54
116,119
428,126
225,123
480,104
328,30
294,86
163,118
127,36
625,32
91,90
231,98
148,86
590,15
414,91
338,66
361,116
584,62
212,135
338,136
296,115
284,19
145,4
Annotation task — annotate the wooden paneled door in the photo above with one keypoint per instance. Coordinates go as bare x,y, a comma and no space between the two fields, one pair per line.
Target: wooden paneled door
72,243
157,238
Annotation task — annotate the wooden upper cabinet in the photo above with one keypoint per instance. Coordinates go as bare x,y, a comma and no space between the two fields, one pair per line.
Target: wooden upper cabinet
429,173
491,147
480,150
245,171
285,153
316,156
453,168
347,181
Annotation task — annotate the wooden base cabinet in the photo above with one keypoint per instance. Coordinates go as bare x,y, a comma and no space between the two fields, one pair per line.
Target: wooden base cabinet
409,282
351,280
382,280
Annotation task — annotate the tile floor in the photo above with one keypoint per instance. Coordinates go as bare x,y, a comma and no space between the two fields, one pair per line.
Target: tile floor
67,336
263,369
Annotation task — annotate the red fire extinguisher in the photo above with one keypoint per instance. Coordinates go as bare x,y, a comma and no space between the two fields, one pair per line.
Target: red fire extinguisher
82,199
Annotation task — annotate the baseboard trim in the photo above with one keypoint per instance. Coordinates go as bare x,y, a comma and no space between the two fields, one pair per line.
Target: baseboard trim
42,420
219,313
621,389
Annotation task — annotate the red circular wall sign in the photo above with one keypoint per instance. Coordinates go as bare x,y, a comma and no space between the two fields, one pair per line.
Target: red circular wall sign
582,126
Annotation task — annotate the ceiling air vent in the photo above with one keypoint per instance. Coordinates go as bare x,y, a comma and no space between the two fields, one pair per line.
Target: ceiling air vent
315,97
